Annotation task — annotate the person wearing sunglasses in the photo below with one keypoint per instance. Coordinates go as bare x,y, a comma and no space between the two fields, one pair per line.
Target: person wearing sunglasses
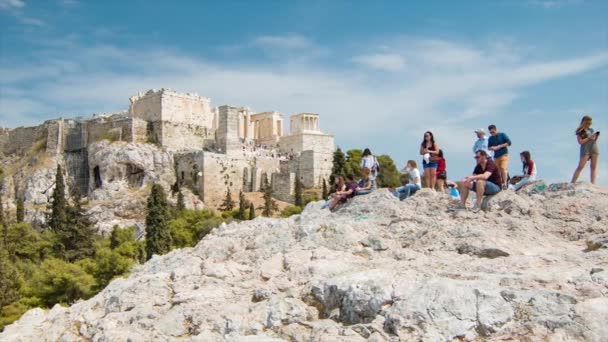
485,181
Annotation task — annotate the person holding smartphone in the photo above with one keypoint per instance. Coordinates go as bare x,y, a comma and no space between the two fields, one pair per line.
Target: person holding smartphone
587,138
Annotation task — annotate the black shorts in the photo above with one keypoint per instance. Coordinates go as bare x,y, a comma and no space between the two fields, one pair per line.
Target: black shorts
442,175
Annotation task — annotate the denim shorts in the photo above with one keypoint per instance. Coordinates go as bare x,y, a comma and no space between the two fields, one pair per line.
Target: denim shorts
491,188
431,165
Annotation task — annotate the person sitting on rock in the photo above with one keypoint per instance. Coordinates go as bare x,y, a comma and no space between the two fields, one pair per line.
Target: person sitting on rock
343,196
485,181
414,182
366,184
339,186
529,172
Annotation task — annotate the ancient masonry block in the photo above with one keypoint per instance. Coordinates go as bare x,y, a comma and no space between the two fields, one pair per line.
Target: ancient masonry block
283,186
227,131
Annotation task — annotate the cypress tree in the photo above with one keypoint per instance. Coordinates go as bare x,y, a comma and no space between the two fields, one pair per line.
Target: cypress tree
228,203
77,236
181,205
158,235
298,193
270,206
243,204
325,193
264,182
251,211
3,226
20,209
114,238
59,204
339,166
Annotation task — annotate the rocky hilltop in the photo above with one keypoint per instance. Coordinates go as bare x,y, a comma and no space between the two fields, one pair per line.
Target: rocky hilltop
533,267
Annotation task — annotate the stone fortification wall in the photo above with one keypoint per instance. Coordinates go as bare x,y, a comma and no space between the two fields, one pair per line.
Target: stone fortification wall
22,139
167,105
318,142
180,136
115,128
313,168
283,186
210,174
227,131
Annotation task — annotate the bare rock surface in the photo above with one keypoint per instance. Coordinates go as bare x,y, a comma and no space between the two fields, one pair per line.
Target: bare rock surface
377,269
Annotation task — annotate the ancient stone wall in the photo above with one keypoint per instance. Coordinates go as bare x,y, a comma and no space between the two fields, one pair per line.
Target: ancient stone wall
186,108
146,106
180,136
115,128
54,138
283,186
23,139
227,132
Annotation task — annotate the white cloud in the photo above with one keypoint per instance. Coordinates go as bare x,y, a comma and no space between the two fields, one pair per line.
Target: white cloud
382,61
291,41
11,4
549,4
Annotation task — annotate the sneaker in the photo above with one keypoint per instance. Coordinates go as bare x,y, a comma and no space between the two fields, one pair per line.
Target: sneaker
457,207
475,209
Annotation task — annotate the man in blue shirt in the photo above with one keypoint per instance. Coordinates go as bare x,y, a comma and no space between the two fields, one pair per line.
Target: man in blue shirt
481,144
498,143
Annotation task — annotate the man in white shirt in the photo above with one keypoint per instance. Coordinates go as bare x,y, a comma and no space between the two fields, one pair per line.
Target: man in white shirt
482,143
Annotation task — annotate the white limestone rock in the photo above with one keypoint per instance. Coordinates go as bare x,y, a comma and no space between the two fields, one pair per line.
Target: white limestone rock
375,270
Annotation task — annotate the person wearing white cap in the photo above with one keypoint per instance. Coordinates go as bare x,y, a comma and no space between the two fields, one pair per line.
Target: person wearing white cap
481,144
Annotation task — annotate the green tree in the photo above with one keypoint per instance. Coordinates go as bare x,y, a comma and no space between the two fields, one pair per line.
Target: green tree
191,226
389,176
270,206
59,205
298,193
20,209
9,281
57,281
25,243
243,204
3,225
290,211
158,235
325,192
251,211
76,237
338,167
353,162
228,203
181,205
264,181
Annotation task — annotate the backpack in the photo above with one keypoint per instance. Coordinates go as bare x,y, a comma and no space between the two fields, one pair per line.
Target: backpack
376,167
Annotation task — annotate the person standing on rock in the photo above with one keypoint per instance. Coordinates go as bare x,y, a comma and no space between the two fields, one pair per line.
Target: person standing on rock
498,143
587,138
429,151
485,181
369,161
442,172
482,143
414,183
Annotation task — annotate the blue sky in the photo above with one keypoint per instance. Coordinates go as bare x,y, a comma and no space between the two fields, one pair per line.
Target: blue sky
379,73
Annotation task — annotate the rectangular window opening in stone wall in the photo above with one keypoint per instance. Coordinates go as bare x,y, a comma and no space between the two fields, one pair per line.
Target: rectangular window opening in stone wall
97,176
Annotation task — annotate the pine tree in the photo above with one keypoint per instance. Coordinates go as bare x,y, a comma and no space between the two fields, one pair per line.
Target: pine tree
228,203
325,193
59,204
76,238
181,205
251,211
270,206
243,204
339,166
298,201
264,182
20,209
158,235
9,280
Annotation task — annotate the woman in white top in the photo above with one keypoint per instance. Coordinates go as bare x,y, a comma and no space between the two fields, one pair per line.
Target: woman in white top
414,183
370,162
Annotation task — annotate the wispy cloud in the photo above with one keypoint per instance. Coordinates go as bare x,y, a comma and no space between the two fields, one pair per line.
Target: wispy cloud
290,41
16,8
382,61
549,4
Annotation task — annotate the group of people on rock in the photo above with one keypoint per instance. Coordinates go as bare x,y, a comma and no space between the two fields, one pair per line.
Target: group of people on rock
490,175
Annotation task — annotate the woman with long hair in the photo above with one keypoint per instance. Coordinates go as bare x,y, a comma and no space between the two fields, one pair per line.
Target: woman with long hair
587,138
339,187
529,171
429,150
442,174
